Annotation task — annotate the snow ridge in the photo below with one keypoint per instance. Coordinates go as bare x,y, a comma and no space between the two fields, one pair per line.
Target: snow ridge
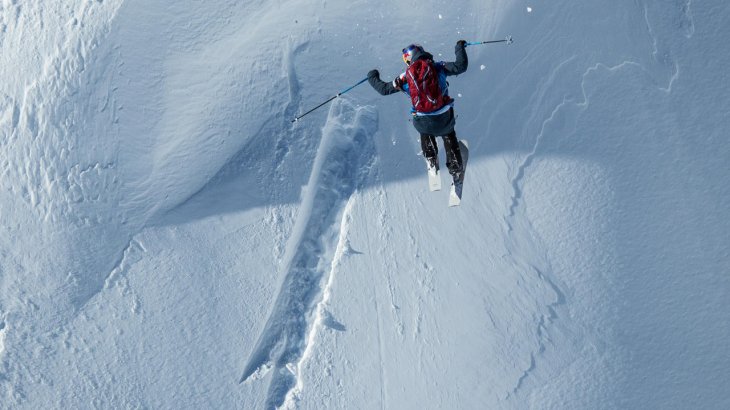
323,318
527,254
517,190
688,21
341,166
563,118
568,108
665,58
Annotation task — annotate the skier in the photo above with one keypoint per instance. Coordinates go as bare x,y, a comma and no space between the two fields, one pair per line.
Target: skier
433,110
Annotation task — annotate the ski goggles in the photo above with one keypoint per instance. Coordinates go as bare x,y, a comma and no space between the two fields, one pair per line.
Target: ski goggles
408,52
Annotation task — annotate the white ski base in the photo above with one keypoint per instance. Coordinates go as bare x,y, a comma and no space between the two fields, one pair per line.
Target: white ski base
454,198
456,191
434,180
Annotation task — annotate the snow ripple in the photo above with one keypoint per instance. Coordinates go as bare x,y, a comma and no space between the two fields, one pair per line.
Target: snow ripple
688,22
516,181
341,167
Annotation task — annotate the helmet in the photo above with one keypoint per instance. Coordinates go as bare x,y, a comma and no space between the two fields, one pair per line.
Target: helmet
409,51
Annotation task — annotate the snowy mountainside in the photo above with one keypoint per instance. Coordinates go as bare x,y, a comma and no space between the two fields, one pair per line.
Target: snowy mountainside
172,240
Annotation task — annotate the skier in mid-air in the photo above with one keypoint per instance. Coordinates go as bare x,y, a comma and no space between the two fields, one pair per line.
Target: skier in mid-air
433,110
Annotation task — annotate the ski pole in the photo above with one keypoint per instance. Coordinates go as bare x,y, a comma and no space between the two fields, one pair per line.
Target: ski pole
507,40
330,99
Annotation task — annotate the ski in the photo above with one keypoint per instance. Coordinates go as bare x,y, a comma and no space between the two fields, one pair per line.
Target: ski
458,186
434,179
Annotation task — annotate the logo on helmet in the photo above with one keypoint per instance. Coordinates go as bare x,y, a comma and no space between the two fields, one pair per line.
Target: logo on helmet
409,51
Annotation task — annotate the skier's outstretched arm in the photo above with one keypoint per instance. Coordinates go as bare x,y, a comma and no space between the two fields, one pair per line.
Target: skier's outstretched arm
462,61
379,85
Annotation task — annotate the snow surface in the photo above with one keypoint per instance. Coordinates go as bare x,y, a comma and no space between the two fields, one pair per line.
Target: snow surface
171,240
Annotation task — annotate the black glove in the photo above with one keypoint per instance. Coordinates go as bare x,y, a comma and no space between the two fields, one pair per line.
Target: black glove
398,83
374,74
461,43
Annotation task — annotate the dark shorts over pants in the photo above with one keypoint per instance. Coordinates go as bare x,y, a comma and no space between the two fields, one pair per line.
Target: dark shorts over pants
442,125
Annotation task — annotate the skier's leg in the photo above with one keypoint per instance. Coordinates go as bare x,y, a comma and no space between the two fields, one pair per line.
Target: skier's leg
430,150
453,155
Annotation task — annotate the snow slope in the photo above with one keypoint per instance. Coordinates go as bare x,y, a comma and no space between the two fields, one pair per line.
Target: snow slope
172,240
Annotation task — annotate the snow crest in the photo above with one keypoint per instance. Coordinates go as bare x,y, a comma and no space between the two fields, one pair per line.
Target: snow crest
341,166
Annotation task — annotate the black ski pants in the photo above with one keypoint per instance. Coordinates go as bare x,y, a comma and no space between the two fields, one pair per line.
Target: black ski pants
453,152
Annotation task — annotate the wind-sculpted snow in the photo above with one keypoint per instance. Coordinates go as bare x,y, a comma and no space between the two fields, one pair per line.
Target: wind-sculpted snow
342,163
171,240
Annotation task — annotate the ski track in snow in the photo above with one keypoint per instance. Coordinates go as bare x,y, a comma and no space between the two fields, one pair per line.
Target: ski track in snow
380,350
342,164
383,379
2,337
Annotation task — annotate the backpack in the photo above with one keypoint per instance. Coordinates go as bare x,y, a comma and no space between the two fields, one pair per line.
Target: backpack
423,86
